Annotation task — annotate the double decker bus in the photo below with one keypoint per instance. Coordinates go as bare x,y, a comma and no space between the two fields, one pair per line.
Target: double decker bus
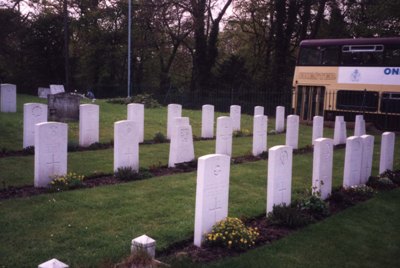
349,77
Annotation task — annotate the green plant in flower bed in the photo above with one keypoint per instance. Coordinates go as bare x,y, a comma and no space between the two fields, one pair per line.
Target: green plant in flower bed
66,182
394,176
315,206
129,174
290,216
159,138
381,182
351,196
232,233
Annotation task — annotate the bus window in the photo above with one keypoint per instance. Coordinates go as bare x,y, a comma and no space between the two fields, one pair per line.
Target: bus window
310,56
392,56
390,102
362,58
330,56
357,100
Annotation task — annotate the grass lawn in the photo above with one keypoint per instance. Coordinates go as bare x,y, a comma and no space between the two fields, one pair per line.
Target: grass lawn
93,227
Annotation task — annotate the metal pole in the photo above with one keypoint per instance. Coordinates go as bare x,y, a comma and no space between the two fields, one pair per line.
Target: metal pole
129,45
66,45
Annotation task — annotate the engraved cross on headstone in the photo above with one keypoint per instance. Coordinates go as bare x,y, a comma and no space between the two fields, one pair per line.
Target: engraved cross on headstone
215,209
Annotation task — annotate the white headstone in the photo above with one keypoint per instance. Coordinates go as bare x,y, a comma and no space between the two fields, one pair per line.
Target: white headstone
181,147
339,136
235,114
55,89
181,121
34,113
88,124
43,92
53,263
136,114
352,162
258,110
259,134
279,176
212,193
387,152
223,143
174,110
51,142
318,128
292,131
359,126
146,243
207,121
8,98
367,155
322,167
280,119
126,145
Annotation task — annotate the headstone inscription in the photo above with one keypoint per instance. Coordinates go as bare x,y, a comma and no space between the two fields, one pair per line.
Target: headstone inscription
174,110
136,114
51,139
235,114
181,147
318,128
88,124
126,145
223,143
279,189
212,193
259,134
292,131
352,162
280,119
322,167
207,121
367,155
34,113
387,152
8,98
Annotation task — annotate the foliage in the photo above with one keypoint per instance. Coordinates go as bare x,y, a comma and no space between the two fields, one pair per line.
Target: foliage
159,138
138,258
29,150
315,206
350,196
147,100
381,183
241,133
394,176
231,233
129,174
289,216
66,182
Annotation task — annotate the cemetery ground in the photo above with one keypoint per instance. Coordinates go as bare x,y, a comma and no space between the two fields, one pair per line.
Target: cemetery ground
93,227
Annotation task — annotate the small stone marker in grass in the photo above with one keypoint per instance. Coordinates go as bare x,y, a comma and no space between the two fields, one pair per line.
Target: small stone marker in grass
145,243
212,193
53,263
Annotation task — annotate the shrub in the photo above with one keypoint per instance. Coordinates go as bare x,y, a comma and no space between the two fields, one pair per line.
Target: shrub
119,100
394,176
66,182
231,233
351,196
381,183
159,138
29,150
147,100
129,174
315,206
241,133
289,216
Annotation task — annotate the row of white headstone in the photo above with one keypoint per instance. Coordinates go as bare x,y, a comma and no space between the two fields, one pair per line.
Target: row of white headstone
212,192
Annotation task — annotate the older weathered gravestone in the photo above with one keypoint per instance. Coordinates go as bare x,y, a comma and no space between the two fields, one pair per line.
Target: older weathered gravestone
212,193
8,98
340,133
235,114
280,119
322,167
279,189
359,126
43,92
145,243
259,134
292,131
126,145
181,148
34,113
51,139
174,110
318,128
352,162
223,143
136,114
55,89
88,124
258,110
367,155
207,121
387,152
53,263
63,107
